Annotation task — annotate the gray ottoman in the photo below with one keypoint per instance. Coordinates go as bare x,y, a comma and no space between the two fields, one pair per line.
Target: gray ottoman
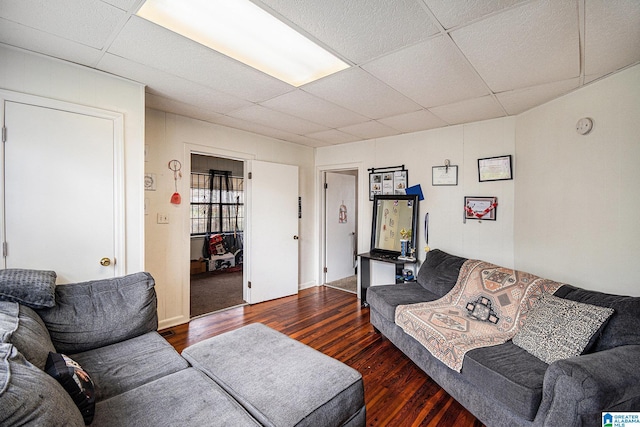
280,381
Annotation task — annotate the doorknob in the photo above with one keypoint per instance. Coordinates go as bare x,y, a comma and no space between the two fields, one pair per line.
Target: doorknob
105,262
295,237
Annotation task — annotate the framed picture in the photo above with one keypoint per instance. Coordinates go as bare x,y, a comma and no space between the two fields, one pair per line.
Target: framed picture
495,168
444,175
388,183
482,208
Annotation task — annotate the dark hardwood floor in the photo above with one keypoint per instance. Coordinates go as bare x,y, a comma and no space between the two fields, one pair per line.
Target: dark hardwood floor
397,393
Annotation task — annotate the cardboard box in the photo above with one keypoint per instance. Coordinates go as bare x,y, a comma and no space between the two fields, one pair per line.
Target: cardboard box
198,266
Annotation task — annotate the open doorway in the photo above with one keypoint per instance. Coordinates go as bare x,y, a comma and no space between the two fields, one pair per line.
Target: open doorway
217,206
340,217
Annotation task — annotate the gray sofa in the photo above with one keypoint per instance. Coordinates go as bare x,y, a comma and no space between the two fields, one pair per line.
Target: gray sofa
505,385
107,330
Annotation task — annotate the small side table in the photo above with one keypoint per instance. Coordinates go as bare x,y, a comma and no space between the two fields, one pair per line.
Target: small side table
365,271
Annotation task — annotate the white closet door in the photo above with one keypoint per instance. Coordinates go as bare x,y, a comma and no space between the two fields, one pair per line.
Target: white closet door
273,255
60,192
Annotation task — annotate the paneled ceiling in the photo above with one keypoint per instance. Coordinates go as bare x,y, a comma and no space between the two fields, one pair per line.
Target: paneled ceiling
416,64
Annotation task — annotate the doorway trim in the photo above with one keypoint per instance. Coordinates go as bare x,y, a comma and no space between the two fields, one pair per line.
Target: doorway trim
321,212
189,149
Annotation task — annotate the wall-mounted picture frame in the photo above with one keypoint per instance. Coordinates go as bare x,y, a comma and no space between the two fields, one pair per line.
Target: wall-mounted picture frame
388,182
481,208
495,168
444,175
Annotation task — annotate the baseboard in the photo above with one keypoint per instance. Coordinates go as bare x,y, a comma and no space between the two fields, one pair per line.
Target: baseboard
307,285
174,321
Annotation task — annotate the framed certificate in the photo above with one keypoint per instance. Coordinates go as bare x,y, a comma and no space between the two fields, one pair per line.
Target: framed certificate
444,175
494,169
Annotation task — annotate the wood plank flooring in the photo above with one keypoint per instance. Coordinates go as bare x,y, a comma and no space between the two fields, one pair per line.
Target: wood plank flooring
397,392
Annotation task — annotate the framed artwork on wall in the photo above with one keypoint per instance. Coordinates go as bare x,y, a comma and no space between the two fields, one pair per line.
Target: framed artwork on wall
481,208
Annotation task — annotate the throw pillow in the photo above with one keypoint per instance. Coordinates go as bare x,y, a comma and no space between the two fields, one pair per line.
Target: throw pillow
75,381
33,288
556,328
28,396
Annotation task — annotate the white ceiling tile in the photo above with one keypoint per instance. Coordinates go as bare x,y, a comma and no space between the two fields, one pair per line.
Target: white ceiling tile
123,4
256,128
359,91
309,142
427,80
306,106
452,13
612,35
149,44
359,30
528,45
413,122
35,40
89,22
369,130
277,120
161,103
333,136
517,101
171,86
472,110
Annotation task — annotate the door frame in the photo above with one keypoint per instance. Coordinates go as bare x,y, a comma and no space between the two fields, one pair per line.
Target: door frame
118,166
322,211
205,150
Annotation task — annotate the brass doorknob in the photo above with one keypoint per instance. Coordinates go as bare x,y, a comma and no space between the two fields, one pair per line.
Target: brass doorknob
105,262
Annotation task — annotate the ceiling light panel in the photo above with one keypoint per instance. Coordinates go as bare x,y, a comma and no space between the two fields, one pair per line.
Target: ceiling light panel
247,33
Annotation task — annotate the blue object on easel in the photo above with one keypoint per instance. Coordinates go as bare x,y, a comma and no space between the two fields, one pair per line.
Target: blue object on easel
415,189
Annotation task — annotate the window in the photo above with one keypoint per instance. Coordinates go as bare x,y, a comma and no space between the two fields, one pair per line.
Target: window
217,203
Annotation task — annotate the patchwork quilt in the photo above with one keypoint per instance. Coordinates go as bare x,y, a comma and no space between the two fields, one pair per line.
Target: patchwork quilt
486,307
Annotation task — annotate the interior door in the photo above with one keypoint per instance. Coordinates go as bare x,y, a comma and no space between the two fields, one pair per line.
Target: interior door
340,219
59,192
273,254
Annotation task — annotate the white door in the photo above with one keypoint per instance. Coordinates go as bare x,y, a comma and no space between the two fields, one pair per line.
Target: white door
340,219
59,192
273,244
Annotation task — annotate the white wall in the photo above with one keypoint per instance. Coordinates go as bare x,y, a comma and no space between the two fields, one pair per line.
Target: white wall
168,250
577,197
462,145
25,72
571,211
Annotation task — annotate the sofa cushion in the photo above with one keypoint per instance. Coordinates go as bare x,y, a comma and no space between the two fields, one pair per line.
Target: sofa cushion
184,398
101,312
439,272
556,328
123,366
280,381
33,288
22,327
622,328
28,396
386,298
508,374
76,381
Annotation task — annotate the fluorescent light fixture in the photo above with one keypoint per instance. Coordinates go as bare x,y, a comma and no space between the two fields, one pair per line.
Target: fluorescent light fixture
247,33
